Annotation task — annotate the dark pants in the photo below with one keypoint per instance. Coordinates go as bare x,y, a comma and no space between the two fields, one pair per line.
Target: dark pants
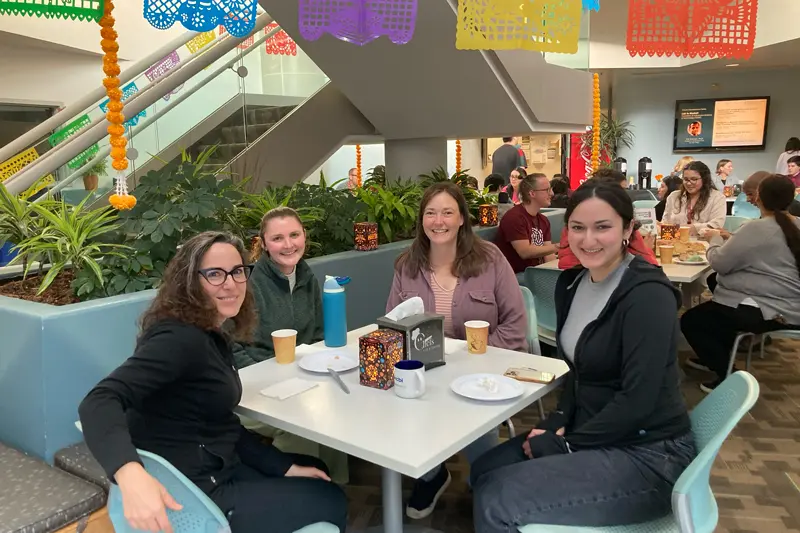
589,488
255,503
711,329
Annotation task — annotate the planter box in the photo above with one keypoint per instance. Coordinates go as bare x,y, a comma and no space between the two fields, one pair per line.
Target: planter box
52,356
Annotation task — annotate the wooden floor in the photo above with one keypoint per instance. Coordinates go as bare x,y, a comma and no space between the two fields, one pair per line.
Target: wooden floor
756,478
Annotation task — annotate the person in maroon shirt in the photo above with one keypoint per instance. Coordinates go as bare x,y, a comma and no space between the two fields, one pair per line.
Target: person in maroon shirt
524,233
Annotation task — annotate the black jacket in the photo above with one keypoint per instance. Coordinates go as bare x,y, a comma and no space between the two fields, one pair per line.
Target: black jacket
623,388
175,397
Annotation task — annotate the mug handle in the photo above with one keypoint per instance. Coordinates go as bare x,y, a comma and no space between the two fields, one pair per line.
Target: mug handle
419,389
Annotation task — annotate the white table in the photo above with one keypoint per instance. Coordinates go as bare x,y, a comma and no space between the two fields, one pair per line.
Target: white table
402,436
688,277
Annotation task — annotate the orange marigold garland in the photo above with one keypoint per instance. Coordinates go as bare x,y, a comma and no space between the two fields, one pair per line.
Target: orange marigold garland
596,124
358,163
458,156
116,130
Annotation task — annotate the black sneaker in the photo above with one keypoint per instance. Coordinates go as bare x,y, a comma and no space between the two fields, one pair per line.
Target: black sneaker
694,362
427,493
709,386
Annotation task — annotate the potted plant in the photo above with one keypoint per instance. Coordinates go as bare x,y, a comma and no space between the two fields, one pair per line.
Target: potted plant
92,175
614,134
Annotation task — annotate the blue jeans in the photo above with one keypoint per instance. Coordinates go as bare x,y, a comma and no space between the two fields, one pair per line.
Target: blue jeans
472,451
589,488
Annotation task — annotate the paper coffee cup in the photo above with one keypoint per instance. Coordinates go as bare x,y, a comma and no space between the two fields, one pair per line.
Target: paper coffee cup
686,232
284,342
477,336
666,254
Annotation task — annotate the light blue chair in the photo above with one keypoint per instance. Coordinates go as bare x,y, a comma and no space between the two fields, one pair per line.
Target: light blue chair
533,343
199,513
733,223
694,509
542,284
743,208
645,204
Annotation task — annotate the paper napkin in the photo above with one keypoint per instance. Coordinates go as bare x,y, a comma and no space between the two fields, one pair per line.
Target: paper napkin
288,388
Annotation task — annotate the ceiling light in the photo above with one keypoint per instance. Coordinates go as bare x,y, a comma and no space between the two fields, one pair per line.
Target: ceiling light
733,65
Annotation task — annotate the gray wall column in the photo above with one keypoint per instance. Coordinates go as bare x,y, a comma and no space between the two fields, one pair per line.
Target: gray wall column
408,158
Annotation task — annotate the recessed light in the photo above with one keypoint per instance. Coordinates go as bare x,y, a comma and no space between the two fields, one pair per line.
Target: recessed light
733,65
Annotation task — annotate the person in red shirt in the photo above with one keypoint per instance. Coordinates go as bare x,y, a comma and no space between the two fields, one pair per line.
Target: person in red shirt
637,244
524,233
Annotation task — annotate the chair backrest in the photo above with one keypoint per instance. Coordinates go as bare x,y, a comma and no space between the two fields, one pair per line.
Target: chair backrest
733,223
199,513
640,194
645,204
542,283
533,326
743,208
693,503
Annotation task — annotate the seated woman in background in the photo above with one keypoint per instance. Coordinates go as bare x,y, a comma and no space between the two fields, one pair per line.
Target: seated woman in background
636,244
696,203
282,279
560,193
175,397
724,175
512,189
677,170
459,275
668,185
612,451
758,282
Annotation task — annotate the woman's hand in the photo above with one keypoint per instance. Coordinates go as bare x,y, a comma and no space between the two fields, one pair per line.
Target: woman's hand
535,433
306,471
144,500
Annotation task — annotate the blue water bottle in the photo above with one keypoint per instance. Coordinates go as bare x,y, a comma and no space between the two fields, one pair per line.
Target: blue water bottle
334,313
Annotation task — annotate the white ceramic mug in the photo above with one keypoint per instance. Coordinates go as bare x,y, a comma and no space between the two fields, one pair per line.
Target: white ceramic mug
409,379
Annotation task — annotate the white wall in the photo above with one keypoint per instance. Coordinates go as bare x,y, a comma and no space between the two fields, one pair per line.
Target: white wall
648,102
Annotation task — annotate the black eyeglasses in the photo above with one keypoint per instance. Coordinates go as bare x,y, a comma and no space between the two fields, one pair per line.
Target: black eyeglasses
218,276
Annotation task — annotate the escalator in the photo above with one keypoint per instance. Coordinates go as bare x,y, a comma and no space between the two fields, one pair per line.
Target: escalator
219,92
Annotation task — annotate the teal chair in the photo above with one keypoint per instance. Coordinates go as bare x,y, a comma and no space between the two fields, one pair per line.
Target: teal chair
733,223
542,284
645,204
743,208
533,343
694,509
199,513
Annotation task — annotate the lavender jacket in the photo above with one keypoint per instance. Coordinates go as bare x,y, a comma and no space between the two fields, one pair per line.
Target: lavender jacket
493,296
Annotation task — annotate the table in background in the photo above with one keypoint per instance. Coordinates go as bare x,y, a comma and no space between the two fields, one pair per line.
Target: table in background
401,436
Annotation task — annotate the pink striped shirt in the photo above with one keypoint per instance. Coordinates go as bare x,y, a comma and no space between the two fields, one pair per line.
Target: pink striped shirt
443,300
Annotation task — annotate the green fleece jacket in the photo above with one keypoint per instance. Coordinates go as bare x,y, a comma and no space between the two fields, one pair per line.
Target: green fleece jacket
278,308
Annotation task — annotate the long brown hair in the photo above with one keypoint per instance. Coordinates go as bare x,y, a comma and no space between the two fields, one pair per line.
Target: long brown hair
472,253
776,193
276,212
705,190
181,296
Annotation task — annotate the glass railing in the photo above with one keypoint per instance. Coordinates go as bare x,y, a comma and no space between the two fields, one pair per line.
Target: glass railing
229,104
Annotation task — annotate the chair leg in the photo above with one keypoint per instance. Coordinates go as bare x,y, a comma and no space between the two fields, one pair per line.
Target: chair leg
739,338
541,409
511,431
749,354
764,338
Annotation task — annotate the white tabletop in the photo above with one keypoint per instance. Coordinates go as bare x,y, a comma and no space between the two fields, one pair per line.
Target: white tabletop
407,436
676,273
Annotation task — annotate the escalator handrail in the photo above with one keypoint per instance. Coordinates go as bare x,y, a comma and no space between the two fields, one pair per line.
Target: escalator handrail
64,152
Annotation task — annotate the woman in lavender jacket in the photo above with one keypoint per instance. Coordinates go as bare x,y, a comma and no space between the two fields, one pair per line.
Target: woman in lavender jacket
459,275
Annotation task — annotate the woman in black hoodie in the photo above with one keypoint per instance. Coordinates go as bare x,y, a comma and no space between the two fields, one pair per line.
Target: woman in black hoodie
621,436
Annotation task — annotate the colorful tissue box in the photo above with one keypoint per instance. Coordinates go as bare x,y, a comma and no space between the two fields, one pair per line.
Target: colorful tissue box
377,354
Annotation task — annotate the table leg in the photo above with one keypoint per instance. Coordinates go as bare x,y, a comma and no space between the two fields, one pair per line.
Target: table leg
392,487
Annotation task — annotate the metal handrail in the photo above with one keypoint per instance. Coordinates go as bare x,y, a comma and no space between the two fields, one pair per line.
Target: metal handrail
102,154
71,111
66,151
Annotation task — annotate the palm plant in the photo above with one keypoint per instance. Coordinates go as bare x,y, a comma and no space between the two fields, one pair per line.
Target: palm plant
70,236
614,134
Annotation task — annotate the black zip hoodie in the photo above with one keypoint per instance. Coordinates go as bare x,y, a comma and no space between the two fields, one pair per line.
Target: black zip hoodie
623,388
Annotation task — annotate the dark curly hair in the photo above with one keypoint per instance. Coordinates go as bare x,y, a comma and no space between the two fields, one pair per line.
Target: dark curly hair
705,191
181,296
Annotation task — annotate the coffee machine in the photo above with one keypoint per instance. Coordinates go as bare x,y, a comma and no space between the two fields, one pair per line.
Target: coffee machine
645,172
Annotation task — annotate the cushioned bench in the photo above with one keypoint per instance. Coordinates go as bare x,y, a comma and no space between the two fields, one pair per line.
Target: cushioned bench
78,461
37,498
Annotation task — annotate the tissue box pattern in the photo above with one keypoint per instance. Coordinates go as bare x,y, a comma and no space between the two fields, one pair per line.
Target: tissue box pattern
377,354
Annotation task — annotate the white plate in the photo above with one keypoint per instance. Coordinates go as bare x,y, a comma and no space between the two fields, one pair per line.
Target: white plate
319,362
470,387
689,263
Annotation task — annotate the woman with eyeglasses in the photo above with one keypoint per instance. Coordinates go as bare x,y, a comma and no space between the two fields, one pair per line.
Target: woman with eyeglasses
282,280
697,203
175,397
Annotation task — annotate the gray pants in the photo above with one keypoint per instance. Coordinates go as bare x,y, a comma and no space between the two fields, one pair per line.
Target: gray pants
590,488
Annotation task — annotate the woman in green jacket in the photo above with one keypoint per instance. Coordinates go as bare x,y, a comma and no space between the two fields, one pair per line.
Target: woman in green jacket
287,296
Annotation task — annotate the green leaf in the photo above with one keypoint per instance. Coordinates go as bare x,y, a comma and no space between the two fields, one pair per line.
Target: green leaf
156,236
